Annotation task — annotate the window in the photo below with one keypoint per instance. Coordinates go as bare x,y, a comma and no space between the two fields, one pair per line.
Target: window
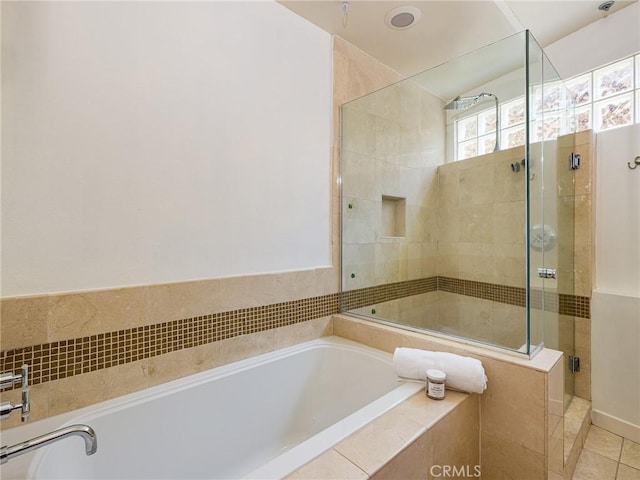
605,98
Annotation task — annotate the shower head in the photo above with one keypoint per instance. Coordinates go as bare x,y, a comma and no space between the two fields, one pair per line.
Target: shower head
462,103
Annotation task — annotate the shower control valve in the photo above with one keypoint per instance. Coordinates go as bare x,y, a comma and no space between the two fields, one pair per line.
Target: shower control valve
7,380
547,272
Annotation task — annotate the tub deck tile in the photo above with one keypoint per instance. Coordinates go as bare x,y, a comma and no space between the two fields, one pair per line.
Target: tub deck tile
372,446
330,466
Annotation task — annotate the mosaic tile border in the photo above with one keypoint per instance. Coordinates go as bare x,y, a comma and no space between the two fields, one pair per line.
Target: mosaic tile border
363,297
559,303
61,359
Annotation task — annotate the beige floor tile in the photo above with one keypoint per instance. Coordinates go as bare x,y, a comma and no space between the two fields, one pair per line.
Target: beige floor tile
603,443
630,454
592,466
627,473
554,476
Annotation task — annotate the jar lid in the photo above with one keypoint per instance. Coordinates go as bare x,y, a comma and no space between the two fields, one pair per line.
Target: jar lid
433,374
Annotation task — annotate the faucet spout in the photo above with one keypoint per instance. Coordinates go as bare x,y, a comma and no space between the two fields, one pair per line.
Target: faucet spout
84,431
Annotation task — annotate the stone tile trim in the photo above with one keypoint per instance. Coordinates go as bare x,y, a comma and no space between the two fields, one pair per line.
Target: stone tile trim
61,359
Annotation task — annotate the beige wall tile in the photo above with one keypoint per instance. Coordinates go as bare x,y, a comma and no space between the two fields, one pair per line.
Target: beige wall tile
476,318
412,463
23,321
555,418
476,185
476,224
509,460
175,301
245,346
583,350
583,220
513,406
79,391
582,333
583,268
582,385
77,315
508,325
508,186
301,332
455,440
368,335
328,278
357,74
508,223
584,175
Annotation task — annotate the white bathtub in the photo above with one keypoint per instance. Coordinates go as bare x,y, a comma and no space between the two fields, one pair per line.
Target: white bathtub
259,418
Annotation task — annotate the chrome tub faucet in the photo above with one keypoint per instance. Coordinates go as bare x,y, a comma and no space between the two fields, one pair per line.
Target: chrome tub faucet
7,380
84,431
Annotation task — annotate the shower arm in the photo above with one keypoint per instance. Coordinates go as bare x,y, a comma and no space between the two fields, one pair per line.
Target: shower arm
497,147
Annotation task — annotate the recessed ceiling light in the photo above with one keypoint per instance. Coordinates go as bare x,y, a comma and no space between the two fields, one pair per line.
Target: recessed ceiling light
605,6
402,18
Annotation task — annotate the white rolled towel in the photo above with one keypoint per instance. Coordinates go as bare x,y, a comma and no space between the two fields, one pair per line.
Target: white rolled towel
463,373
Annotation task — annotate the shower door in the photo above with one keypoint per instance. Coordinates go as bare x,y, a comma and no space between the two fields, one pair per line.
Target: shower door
551,210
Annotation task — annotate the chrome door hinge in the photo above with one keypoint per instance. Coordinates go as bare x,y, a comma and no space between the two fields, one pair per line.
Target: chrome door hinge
574,161
574,363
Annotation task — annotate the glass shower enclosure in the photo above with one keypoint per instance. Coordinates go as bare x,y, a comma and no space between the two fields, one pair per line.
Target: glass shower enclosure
457,201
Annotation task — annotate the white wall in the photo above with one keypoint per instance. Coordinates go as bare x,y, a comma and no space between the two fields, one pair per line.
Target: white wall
615,363
149,142
617,236
609,39
615,331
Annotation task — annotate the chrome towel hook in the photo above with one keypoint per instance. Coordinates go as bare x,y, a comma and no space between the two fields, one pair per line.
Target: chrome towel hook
636,162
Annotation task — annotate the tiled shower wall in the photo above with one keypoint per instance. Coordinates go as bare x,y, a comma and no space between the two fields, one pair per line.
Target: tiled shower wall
392,146
468,229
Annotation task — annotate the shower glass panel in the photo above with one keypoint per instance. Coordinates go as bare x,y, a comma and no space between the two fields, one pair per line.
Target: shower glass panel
442,183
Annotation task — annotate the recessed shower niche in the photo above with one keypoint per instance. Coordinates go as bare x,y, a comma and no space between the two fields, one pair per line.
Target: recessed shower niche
393,217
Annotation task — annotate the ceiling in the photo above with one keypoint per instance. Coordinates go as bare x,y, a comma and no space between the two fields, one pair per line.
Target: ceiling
447,28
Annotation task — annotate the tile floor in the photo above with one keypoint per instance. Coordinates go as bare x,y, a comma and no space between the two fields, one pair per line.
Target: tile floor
606,456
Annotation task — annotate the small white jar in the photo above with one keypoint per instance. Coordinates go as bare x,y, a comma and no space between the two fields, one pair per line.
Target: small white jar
435,384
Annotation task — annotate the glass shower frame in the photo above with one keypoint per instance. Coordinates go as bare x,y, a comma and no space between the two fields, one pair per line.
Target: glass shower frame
396,152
